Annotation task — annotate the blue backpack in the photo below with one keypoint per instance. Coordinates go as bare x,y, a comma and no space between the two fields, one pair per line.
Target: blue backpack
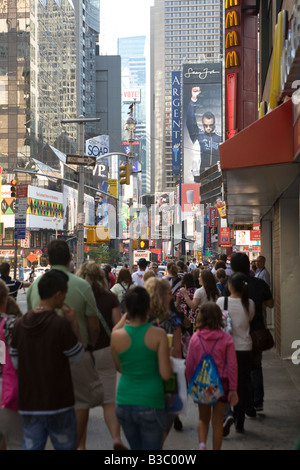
205,386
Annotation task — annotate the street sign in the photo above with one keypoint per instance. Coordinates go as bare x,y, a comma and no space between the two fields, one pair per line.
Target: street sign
81,160
138,254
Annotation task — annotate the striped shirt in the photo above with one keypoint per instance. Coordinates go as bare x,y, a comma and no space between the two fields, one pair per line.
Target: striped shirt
13,285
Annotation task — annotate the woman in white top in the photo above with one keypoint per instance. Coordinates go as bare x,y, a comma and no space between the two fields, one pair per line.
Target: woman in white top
241,310
123,283
207,292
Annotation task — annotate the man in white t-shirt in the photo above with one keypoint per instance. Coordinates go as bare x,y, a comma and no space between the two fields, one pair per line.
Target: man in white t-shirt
138,276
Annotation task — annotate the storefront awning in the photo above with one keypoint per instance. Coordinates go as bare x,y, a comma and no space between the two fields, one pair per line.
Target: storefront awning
257,165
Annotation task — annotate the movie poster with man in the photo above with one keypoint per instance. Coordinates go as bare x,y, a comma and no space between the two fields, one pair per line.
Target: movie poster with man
202,118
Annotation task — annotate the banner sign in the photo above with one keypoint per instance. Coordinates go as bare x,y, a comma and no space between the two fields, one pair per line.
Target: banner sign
176,123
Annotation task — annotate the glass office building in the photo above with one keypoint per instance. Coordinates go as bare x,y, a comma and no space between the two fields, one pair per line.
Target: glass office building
47,73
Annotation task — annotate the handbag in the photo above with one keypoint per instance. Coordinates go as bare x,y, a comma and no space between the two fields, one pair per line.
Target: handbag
226,317
262,340
9,396
175,388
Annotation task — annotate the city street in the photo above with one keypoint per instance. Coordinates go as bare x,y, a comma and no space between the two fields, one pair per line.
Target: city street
277,428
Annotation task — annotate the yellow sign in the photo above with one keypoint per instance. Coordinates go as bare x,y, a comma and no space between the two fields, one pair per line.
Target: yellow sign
231,60
231,40
275,89
231,3
113,187
231,19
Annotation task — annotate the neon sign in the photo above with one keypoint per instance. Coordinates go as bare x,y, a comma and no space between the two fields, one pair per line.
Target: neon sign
232,43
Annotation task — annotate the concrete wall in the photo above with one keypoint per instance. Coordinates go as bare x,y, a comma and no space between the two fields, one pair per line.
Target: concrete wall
289,274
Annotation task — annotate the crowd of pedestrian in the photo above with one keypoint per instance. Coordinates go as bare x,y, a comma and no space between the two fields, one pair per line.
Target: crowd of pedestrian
95,318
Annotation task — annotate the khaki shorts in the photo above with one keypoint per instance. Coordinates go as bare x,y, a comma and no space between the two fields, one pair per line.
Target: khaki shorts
108,373
11,428
81,379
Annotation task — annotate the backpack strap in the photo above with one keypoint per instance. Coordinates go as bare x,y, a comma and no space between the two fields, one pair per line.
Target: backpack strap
225,307
213,347
103,322
2,328
125,290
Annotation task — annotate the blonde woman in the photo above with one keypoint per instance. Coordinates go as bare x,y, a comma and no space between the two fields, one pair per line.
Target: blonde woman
109,306
160,313
163,314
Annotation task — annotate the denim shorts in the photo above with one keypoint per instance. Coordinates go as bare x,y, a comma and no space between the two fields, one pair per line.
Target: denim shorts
143,427
60,427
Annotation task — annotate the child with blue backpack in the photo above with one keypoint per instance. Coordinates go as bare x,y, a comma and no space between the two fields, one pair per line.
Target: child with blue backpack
211,357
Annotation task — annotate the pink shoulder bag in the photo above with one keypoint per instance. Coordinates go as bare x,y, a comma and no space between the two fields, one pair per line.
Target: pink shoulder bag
9,396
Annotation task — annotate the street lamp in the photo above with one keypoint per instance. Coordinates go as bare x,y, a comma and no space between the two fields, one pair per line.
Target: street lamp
81,121
130,127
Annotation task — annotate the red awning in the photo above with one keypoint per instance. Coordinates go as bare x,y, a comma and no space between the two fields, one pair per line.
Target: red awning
257,165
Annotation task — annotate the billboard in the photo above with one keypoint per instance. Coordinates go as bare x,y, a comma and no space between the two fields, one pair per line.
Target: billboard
97,147
45,209
202,118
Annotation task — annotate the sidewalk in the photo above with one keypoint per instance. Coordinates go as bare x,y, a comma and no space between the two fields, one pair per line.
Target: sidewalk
276,428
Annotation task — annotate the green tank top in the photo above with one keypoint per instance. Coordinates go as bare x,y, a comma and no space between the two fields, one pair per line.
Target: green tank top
140,382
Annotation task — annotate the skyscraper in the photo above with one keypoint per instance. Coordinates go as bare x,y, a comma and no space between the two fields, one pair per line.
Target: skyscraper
135,60
47,73
182,31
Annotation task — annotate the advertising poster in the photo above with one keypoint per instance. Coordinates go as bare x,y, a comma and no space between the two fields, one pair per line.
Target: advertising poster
97,147
70,198
190,199
8,207
160,217
45,209
202,118
242,237
225,236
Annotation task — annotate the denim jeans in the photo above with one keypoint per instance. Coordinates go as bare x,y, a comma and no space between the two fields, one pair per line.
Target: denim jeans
143,427
256,380
60,427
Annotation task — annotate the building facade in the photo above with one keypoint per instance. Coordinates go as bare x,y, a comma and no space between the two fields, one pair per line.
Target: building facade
263,186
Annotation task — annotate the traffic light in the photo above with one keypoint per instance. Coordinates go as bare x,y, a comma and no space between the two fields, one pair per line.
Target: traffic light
124,173
143,245
13,187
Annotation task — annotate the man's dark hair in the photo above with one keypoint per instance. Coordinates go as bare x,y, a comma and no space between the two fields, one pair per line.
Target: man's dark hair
223,257
51,282
208,115
142,263
59,252
239,262
4,269
137,301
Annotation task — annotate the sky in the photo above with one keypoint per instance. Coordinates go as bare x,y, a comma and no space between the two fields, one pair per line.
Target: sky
122,18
